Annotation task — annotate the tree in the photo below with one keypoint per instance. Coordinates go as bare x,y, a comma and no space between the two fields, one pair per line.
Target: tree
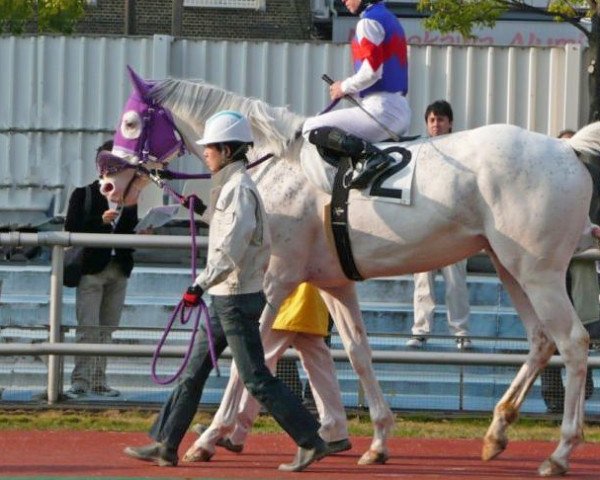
14,14
462,15
59,16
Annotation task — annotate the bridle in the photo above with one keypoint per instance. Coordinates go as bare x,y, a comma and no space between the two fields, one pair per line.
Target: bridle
143,146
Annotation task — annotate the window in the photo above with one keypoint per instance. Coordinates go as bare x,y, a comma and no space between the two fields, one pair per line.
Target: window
249,4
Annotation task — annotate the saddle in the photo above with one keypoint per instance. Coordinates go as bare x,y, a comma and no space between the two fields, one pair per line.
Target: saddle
334,158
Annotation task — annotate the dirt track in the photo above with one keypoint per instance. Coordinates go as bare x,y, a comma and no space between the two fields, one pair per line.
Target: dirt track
99,454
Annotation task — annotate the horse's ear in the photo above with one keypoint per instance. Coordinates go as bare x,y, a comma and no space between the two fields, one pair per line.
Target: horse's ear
139,84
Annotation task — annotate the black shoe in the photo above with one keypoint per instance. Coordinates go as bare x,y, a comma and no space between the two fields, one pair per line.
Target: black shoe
464,343
155,452
338,446
367,169
305,456
228,445
416,342
336,139
76,391
105,391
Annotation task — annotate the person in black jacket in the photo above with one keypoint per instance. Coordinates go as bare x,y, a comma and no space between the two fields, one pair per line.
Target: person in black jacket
100,296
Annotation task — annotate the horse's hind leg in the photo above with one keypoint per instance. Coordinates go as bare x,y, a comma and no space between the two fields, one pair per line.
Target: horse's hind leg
554,320
343,305
572,340
541,349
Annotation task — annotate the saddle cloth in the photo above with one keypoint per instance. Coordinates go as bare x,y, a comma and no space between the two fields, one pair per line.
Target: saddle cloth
393,185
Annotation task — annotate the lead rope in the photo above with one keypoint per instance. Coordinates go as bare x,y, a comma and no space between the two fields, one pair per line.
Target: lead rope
184,316
180,307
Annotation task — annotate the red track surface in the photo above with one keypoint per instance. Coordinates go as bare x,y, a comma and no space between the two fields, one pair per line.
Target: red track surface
90,454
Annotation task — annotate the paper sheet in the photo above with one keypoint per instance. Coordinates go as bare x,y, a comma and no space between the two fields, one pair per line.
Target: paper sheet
157,217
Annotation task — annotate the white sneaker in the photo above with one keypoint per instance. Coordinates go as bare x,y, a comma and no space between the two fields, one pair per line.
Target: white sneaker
416,342
463,343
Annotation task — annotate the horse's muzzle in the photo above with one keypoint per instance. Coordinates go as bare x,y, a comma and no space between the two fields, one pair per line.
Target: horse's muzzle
106,187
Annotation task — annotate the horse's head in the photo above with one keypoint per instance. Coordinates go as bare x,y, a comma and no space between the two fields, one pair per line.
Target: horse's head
161,117
146,136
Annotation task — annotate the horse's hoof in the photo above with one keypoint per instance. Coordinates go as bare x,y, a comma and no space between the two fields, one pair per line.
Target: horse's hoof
371,457
492,447
551,468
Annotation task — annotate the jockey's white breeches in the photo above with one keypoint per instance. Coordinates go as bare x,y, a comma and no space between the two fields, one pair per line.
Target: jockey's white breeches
390,109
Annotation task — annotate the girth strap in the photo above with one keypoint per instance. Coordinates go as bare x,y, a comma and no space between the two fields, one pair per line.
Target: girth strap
339,219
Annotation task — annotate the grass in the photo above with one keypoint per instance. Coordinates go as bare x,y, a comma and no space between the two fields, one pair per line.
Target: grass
407,425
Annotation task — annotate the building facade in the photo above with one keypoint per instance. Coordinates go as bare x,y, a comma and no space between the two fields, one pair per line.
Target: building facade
239,19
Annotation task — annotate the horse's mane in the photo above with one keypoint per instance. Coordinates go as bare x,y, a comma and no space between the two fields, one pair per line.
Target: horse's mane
195,100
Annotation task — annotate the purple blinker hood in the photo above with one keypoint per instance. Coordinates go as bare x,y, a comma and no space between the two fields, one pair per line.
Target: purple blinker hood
146,131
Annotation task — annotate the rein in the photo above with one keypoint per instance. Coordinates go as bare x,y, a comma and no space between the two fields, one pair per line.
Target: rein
185,318
158,176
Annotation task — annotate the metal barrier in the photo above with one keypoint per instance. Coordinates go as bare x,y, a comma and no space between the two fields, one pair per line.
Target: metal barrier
54,348
58,241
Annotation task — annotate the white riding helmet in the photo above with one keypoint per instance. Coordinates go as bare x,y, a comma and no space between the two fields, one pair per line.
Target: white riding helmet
226,126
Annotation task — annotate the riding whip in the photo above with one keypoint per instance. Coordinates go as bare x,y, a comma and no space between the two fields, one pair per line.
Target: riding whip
353,100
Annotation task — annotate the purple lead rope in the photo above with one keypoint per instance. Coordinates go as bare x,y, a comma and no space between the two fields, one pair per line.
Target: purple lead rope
180,309
203,307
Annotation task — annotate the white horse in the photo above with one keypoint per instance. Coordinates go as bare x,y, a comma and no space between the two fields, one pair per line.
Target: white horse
521,196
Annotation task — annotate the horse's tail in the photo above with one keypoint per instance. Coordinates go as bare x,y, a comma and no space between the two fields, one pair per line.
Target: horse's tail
587,140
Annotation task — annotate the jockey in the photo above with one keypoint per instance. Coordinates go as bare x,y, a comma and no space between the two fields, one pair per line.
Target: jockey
380,80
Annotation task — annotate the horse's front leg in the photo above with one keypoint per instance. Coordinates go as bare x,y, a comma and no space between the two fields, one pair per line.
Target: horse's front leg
344,308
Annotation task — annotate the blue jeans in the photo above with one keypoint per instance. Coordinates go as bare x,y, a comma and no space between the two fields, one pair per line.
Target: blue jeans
239,316
178,412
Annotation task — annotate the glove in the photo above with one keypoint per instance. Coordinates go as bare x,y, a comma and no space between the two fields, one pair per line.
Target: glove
192,296
199,206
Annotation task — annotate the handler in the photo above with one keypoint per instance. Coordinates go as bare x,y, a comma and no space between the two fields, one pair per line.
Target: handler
238,256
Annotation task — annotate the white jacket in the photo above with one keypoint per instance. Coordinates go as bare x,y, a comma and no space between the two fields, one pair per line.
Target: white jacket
238,239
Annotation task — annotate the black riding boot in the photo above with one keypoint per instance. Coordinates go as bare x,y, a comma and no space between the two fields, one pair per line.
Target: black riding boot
367,159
